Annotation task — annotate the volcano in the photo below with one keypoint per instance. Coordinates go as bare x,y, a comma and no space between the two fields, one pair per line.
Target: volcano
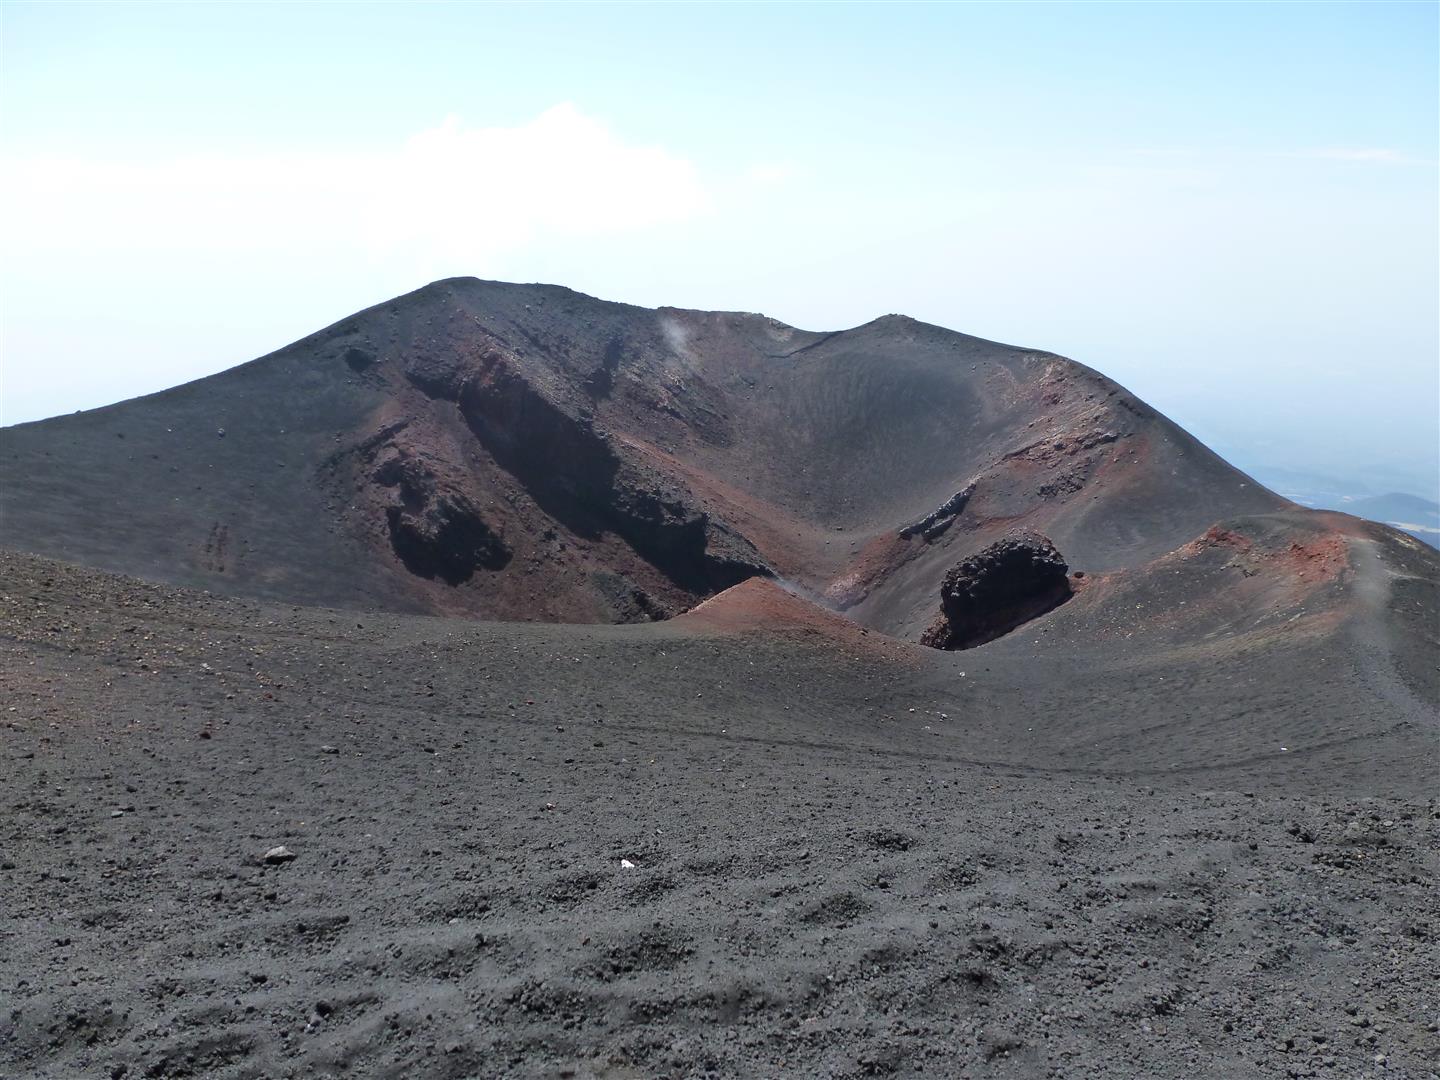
671,693
527,452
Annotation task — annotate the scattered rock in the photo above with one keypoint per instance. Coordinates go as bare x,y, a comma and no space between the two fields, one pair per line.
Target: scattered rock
277,855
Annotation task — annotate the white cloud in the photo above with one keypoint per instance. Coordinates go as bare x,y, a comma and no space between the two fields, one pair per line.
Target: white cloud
451,194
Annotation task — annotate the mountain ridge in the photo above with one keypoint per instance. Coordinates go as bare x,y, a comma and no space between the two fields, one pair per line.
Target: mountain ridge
531,452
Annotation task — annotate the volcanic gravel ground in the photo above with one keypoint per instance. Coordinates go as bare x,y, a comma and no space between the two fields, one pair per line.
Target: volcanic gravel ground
824,882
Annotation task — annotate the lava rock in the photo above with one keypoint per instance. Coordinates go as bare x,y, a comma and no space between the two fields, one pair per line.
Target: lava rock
1018,578
435,528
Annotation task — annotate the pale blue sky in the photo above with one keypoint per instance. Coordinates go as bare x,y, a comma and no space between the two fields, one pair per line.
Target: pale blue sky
1231,208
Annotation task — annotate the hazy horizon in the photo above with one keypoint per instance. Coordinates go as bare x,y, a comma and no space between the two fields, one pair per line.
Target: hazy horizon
1229,209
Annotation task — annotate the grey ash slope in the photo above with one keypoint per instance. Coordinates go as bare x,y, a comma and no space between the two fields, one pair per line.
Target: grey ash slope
518,451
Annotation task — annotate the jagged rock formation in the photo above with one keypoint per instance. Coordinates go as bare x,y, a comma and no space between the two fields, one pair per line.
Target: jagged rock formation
934,524
995,590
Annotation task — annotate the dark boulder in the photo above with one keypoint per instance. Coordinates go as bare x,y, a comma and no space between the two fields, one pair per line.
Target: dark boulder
1014,580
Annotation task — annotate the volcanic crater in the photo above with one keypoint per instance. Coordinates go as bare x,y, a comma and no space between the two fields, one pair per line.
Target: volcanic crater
674,693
